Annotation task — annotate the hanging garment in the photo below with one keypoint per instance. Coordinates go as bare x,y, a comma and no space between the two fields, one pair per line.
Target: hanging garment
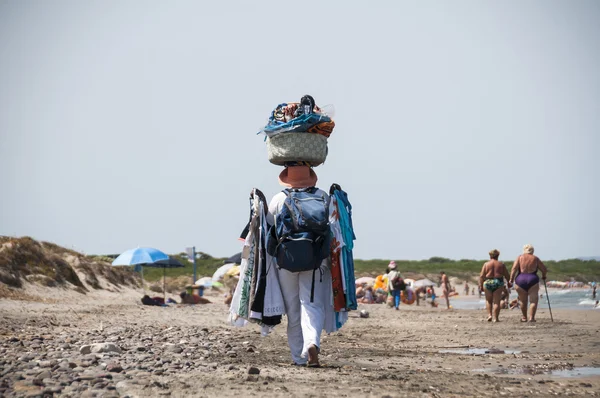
337,280
258,287
347,231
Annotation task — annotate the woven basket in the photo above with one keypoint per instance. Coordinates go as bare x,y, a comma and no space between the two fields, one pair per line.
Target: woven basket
290,147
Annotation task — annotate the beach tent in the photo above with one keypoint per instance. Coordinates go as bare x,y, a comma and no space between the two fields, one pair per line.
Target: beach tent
409,282
365,279
220,272
423,282
205,281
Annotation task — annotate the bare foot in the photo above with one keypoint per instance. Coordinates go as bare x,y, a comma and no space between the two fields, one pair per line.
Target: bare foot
313,356
489,318
532,320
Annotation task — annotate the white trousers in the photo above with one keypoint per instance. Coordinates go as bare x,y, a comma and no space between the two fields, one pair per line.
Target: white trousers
305,319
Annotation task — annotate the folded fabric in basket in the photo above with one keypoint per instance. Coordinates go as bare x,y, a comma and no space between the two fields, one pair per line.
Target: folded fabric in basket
302,117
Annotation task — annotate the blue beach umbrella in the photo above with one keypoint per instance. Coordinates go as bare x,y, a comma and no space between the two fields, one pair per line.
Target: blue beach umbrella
141,255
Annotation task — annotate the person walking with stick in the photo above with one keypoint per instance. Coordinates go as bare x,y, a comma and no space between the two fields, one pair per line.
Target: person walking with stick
524,275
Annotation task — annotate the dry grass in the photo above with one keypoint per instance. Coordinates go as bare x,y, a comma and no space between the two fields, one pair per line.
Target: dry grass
20,257
25,259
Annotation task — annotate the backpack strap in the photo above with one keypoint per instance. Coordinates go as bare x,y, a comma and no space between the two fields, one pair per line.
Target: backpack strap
312,287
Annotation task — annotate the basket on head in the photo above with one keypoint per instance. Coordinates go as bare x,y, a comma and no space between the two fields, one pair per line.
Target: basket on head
291,147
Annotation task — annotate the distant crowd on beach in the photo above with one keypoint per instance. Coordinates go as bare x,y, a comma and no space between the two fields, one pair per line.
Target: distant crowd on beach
495,282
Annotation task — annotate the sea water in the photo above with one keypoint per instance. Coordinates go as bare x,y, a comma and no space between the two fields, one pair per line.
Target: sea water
580,299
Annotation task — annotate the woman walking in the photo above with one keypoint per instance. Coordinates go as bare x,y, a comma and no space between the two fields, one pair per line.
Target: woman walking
393,288
524,274
491,279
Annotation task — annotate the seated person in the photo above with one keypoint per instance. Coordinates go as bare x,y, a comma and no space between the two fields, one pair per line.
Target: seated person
360,292
192,299
514,304
504,298
368,297
380,297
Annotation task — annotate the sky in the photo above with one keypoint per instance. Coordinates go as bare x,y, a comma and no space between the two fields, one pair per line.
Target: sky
460,126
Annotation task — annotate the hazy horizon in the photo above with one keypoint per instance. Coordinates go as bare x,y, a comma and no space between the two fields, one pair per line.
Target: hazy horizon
460,127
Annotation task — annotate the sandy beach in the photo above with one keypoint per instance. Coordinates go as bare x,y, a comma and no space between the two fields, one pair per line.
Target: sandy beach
193,351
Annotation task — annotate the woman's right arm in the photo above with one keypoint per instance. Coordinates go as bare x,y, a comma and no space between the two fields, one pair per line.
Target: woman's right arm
482,277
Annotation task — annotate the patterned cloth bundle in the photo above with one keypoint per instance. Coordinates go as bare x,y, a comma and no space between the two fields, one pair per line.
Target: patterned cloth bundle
298,131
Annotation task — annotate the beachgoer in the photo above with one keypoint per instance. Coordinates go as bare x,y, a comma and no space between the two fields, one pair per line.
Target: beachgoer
473,292
147,300
433,296
514,304
306,317
445,289
393,291
491,279
360,292
381,281
192,299
597,304
368,297
594,292
418,292
524,275
504,298
466,288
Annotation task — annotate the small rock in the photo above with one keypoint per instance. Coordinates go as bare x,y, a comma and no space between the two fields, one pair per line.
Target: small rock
44,375
253,370
173,348
114,367
85,349
105,347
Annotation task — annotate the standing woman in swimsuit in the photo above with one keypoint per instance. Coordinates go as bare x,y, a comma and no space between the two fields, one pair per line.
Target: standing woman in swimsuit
491,279
445,289
524,274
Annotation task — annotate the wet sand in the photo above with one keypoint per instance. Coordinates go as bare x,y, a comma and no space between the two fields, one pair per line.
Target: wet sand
193,351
